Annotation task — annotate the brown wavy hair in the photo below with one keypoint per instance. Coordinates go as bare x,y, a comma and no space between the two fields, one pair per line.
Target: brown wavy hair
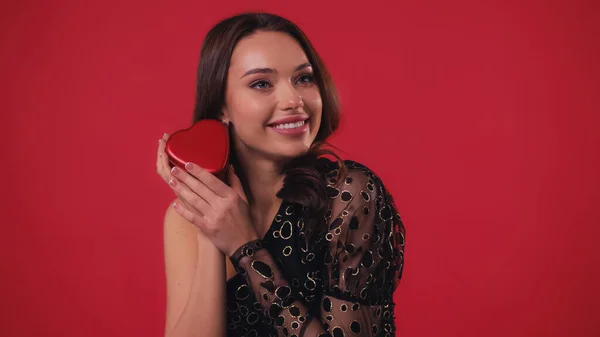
303,182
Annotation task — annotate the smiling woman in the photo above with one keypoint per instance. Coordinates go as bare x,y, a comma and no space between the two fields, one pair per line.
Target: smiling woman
270,69
292,243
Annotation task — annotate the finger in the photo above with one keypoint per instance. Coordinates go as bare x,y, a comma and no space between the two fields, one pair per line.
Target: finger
163,167
188,195
190,216
188,206
164,156
159,168
195,185
180,200
162,160
208,179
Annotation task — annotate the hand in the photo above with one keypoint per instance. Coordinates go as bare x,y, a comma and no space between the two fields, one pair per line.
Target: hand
162,165
221,212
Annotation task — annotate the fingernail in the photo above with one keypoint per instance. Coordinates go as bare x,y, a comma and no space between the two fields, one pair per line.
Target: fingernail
175,170
172,182
189,166
165,135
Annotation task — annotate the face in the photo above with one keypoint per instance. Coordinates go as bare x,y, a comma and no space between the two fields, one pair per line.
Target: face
271,97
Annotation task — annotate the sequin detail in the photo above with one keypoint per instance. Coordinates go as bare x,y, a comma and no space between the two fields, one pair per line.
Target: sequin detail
348,274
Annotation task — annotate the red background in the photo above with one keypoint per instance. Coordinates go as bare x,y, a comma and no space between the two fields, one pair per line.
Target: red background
481,116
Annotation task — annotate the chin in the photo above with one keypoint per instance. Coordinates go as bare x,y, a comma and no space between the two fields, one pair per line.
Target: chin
292,153
292,150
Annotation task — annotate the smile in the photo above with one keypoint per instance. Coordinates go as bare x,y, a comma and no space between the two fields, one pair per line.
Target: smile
289,125
291,129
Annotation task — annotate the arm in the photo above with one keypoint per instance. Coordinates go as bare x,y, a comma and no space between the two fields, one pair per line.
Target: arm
290,314
195,279
363,261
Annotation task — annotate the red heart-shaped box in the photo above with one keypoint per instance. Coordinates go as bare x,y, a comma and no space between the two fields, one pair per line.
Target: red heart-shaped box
205,143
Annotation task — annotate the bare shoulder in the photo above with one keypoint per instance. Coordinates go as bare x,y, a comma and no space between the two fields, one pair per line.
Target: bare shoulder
188,255
180,258
177,227
180,244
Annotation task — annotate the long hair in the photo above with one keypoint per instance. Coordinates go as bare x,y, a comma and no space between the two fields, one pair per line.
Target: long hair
303,181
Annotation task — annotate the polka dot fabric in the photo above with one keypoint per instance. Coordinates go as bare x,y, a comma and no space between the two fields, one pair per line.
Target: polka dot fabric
341,282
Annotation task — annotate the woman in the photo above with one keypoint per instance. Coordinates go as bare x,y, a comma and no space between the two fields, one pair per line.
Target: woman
291,243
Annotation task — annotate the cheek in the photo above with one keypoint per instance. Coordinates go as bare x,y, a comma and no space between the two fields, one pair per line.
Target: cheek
314,107
313,102
249,110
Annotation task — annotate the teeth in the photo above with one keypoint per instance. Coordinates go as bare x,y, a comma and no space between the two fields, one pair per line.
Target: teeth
290,125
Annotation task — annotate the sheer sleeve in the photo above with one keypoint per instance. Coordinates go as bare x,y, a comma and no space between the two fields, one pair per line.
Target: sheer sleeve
364,255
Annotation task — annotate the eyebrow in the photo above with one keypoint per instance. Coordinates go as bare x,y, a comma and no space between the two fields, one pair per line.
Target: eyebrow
270,71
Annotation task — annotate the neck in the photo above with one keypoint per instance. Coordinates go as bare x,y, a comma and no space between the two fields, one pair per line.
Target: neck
264,180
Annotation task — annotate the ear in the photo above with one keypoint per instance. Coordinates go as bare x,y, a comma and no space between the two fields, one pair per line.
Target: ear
223,116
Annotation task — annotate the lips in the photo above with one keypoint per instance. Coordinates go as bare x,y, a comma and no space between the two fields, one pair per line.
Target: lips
289,119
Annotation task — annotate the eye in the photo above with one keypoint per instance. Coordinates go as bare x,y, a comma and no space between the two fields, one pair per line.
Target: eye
306,78
262,84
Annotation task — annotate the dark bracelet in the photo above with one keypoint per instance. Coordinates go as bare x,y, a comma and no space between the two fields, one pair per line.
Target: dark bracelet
247,249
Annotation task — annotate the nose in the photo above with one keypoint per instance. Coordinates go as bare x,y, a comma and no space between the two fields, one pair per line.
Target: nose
291,99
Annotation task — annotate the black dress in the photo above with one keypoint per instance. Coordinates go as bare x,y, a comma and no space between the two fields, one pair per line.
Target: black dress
341,282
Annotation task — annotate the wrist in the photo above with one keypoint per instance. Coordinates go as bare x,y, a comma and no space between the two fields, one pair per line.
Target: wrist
240,240
246,249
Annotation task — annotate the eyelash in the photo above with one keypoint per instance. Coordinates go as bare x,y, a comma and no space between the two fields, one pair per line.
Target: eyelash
309,76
